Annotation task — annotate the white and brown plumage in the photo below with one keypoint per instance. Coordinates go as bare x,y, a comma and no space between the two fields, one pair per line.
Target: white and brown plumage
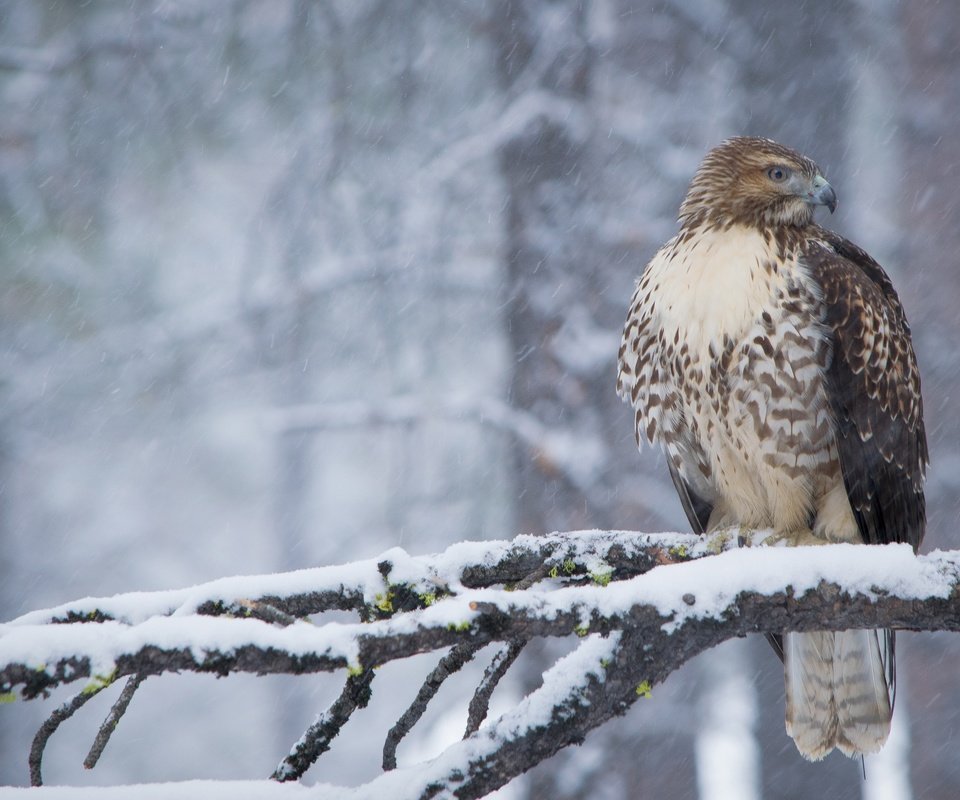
771,360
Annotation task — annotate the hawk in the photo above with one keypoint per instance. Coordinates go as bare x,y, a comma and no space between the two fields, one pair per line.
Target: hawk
771,360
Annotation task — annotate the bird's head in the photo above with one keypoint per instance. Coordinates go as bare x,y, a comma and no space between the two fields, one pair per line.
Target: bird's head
756,182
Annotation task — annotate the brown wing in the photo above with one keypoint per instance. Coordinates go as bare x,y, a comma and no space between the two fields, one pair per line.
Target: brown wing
873,385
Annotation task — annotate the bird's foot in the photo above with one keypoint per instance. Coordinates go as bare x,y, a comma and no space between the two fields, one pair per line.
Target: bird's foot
771,538
720,539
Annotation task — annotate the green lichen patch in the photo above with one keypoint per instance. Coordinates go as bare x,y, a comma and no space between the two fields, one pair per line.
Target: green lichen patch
99,682
80,616
679,551
383,601
601,577
644,689
566,567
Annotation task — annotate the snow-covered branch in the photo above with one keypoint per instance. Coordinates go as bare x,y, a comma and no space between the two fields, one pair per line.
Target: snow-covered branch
643,604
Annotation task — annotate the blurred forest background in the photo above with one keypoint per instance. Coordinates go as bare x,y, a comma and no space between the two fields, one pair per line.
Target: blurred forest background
290,282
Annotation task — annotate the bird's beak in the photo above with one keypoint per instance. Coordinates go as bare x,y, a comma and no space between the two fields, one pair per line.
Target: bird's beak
822,194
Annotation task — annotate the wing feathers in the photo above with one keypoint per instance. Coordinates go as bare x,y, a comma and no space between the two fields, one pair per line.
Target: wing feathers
695,507
873,386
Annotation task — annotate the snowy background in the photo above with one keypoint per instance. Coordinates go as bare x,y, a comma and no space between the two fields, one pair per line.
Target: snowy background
290,282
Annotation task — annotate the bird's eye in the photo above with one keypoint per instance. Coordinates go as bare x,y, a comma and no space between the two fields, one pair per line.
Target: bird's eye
778,174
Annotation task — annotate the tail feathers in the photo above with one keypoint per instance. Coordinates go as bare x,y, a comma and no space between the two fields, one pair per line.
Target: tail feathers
811,714
838,691
863,699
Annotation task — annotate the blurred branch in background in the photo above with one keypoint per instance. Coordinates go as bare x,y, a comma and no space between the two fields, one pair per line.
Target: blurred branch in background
557,452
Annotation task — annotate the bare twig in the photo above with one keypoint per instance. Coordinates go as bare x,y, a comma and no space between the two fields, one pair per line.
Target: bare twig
257,609
480,704
110,723
535,576
53,722
317,738
452,662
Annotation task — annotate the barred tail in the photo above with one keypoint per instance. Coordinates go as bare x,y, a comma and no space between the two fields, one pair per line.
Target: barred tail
839,689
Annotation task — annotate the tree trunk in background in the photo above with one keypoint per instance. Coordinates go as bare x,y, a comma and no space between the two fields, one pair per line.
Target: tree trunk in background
545,170
794,77
728,754
565,310
929,93
873,219
9,605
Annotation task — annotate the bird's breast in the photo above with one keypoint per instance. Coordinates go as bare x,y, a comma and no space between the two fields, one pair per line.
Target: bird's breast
723,360
712,287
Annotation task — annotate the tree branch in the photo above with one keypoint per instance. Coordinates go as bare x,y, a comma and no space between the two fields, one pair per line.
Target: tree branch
638,623
109,725
474,565
231,645
452,662
788,601
62,57
54,721
316,741
480,703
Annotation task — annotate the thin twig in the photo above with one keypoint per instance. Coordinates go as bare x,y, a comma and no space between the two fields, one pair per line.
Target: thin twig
535,576
317,738
258,609
452,662
110,723
480,704
53,722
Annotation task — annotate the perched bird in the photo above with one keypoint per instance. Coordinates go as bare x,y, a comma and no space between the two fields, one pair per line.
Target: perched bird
771,360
